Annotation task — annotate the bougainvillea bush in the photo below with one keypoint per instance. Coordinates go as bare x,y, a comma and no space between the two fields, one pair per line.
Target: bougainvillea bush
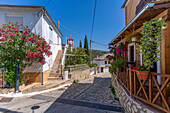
121,49
18,42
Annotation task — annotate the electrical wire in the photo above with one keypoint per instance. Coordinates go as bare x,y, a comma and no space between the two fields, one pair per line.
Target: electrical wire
47,3
71,31
93,19
99,43
78,34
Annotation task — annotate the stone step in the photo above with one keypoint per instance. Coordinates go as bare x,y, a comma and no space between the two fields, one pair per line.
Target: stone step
54,75
54,78
56,65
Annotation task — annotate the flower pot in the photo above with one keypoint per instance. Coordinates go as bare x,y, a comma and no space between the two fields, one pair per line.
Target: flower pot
65,75
133,39
120,69
143,75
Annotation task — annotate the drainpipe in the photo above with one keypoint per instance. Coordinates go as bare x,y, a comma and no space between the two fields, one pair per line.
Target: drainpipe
42,76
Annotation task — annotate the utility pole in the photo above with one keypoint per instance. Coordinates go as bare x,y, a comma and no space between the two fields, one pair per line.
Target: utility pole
90,51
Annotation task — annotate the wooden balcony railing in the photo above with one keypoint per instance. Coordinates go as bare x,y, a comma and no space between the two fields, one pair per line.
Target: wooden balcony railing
148,91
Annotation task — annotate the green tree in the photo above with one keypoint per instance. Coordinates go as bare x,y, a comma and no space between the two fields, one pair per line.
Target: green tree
80,44
86,46
18,42
78,57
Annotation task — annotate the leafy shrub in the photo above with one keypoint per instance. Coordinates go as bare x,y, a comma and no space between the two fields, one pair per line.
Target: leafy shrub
92,65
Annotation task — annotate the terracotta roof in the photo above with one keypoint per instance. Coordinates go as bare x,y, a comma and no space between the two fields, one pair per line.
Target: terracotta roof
103,57
70,38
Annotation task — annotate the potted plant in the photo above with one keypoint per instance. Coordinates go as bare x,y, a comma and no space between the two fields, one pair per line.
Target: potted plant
142,72
134,37
119,63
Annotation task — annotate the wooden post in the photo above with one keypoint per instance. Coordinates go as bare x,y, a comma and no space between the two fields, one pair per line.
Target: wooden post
135,83
150,88
130,79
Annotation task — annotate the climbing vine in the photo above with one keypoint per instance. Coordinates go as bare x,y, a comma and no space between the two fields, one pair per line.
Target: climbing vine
151,41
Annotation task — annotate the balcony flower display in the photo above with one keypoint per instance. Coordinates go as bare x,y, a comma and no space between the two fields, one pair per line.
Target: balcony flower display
121,49
142,72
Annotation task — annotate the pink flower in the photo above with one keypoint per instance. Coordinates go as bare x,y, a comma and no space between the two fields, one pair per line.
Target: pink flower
11,42
49,47
32,66
17,34
39,48
42,62
23,68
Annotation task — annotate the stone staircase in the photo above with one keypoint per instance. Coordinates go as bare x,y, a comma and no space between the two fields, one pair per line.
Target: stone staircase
55,70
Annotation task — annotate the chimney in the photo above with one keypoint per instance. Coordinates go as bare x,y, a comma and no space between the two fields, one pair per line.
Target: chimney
58,24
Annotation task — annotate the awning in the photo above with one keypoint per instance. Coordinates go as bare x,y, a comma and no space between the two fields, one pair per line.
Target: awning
143,16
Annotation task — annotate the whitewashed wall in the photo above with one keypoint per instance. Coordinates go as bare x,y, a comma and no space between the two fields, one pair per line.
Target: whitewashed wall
39,24
52,35
102,64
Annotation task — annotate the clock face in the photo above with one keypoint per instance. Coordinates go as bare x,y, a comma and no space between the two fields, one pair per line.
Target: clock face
70,42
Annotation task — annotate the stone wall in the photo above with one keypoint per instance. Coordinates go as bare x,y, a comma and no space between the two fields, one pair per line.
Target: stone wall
80,74
32,77
128,103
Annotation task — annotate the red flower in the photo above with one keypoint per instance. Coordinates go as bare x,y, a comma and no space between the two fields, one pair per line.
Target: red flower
142,65
137,68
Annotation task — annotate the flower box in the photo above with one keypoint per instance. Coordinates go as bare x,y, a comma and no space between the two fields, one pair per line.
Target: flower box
143,75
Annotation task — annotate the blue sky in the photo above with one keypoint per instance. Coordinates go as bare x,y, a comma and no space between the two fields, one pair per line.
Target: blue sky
77,15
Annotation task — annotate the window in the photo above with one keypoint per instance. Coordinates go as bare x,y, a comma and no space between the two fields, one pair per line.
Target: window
50,34
14,19
108,62
131,52
58,41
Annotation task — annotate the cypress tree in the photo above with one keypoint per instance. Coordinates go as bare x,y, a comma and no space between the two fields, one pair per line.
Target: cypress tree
80,45
86,47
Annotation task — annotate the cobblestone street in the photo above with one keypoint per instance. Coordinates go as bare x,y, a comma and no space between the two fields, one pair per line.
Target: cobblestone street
92,95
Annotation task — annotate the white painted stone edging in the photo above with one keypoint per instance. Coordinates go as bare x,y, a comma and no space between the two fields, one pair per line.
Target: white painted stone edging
33,93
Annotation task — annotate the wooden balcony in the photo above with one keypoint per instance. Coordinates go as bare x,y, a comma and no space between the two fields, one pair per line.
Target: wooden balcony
149,91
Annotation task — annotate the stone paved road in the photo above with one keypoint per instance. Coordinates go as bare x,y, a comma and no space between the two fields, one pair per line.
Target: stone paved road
89,96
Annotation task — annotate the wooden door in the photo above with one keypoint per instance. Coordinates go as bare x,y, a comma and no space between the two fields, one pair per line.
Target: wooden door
101,69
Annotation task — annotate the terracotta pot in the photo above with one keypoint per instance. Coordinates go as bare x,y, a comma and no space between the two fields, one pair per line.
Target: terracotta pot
143,75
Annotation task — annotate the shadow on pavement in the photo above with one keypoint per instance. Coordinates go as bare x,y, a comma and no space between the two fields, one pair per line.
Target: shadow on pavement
3,110
74,99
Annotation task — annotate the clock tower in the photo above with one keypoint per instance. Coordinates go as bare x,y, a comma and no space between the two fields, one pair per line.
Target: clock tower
70,42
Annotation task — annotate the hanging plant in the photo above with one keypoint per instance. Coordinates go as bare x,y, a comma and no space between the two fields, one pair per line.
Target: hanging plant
121,49
137,36
151,41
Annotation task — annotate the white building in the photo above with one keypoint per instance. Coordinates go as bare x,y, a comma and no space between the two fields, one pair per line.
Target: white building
103,63
39,21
